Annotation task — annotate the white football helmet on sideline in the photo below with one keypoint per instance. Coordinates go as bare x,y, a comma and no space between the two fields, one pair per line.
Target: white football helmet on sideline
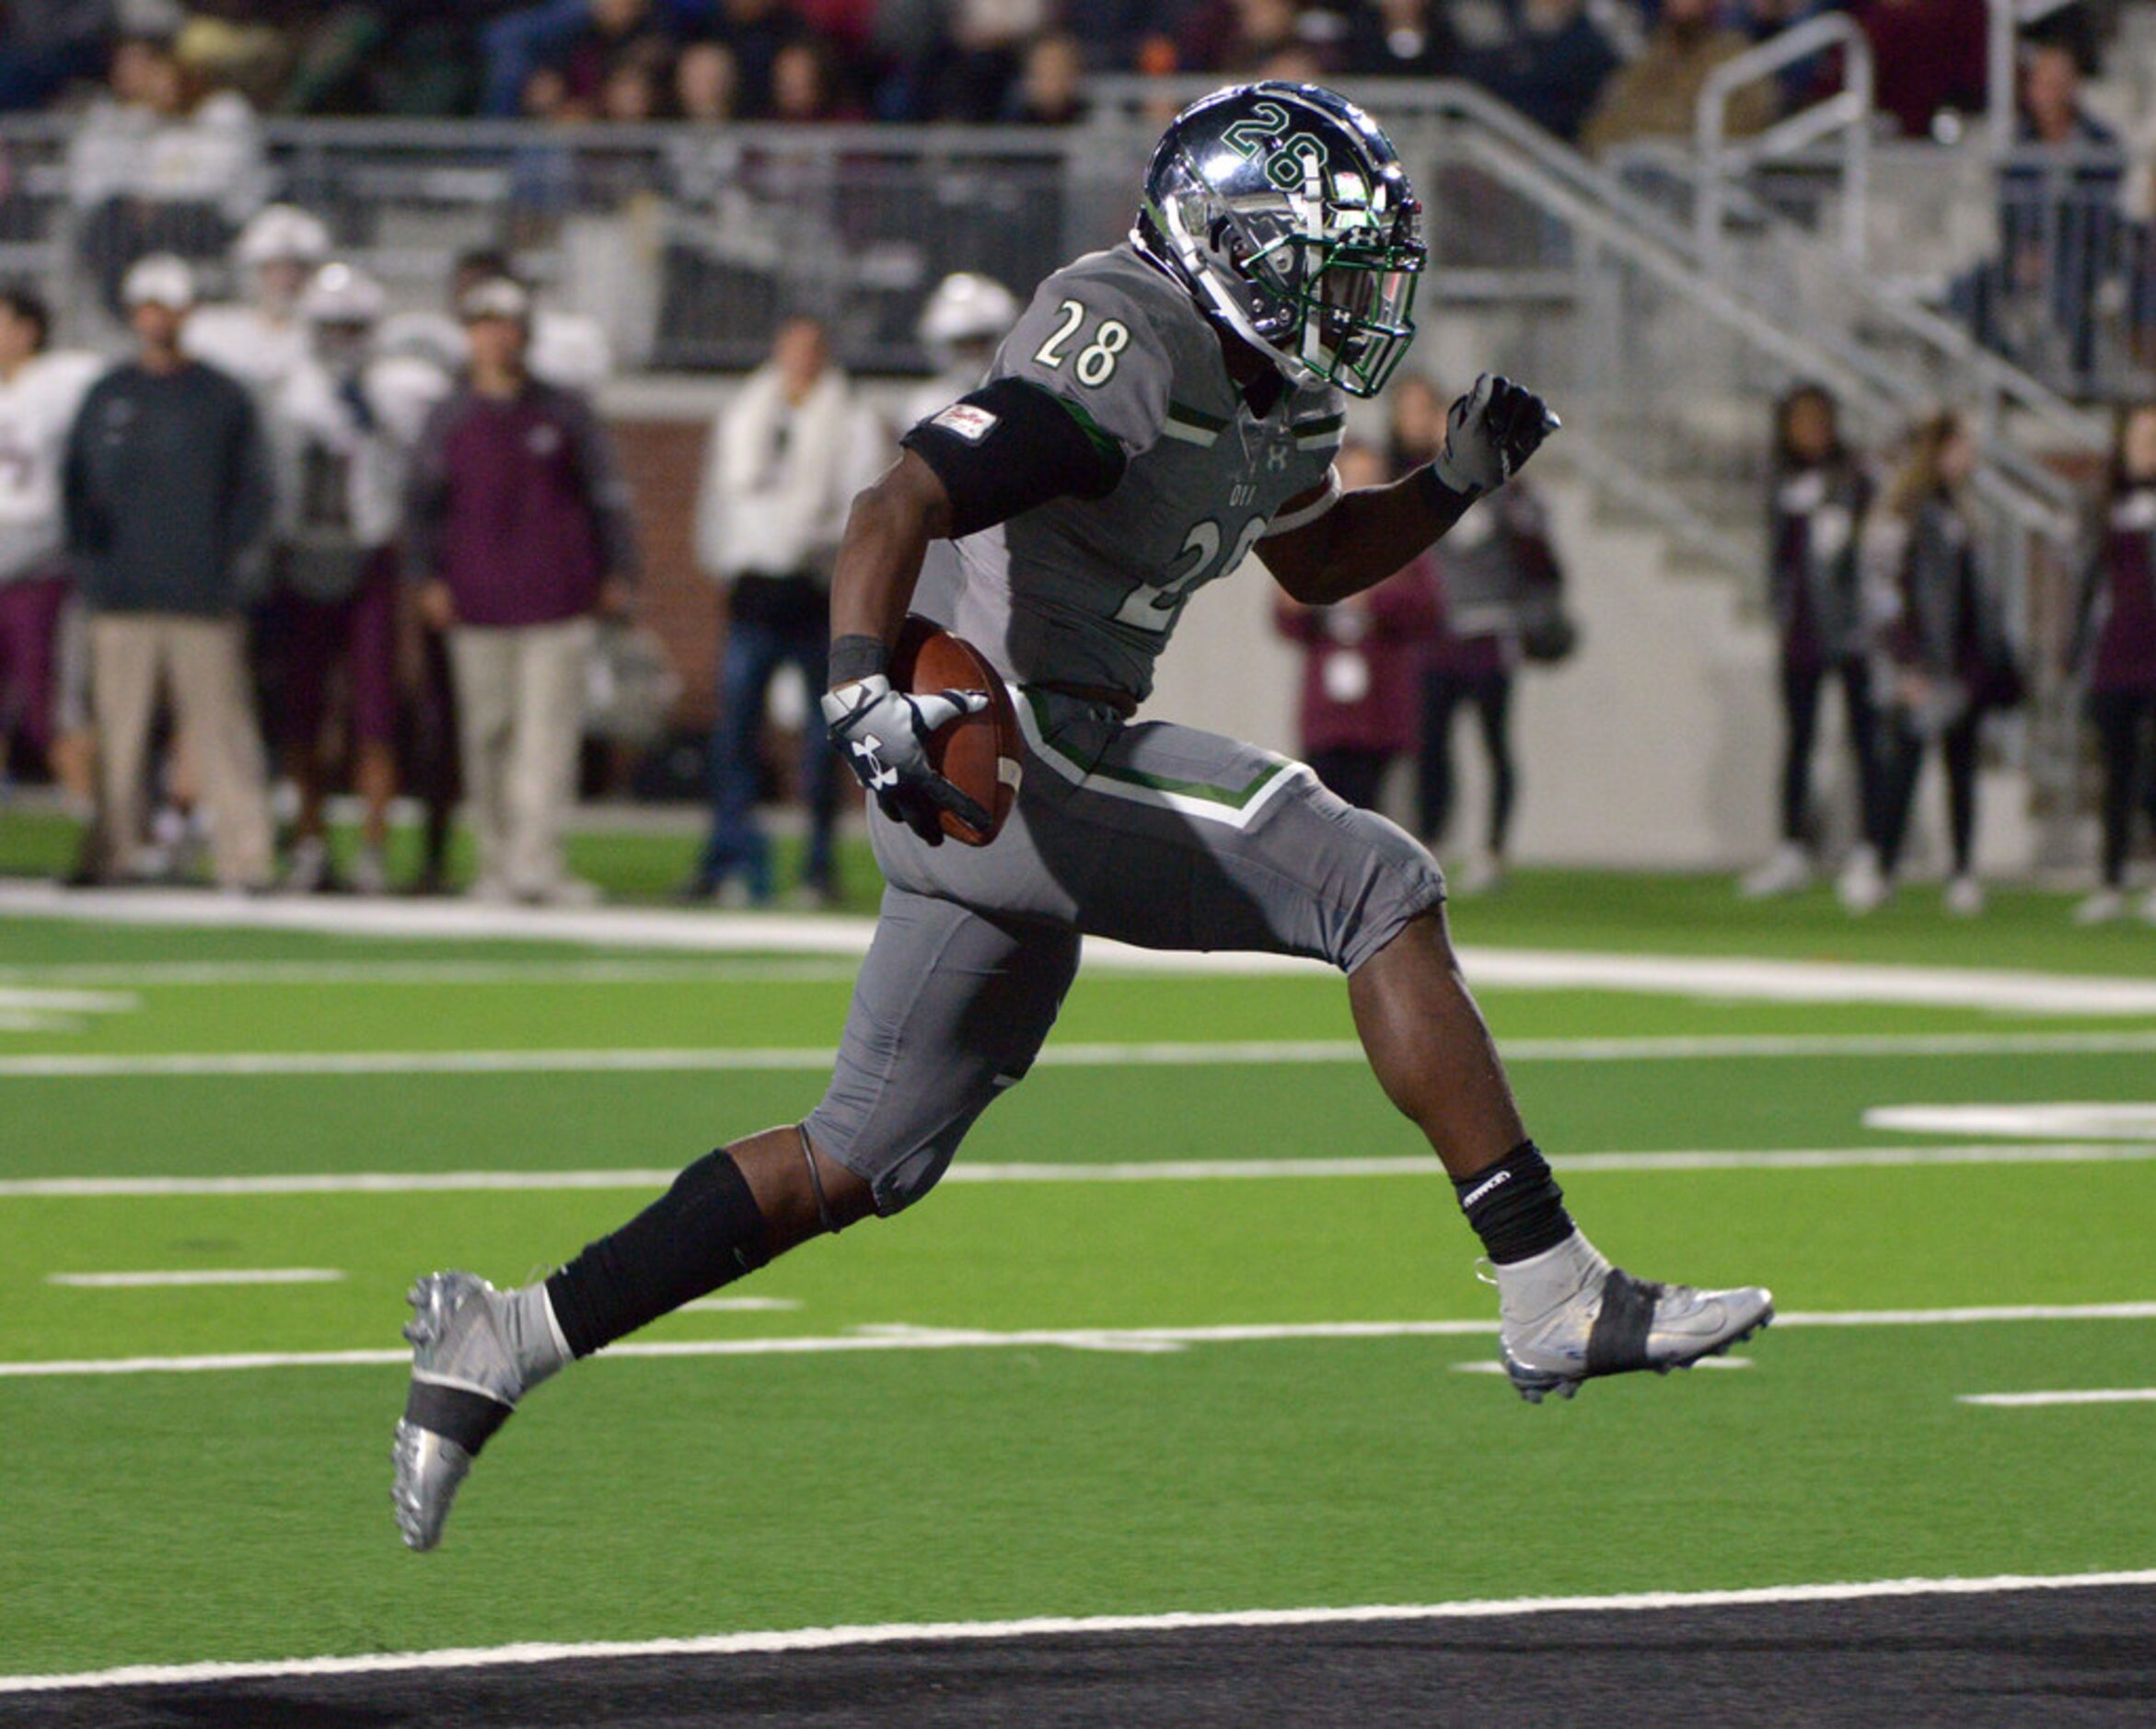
966,311
342,293
282,234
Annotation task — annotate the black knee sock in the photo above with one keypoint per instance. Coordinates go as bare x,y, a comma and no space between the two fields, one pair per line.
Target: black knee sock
702,1233
1515,1205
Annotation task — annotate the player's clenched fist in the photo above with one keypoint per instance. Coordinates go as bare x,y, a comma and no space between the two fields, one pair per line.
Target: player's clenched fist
883,735
1491,432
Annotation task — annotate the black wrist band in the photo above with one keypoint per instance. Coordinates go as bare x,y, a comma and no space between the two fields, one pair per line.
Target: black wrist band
1442,497
858,657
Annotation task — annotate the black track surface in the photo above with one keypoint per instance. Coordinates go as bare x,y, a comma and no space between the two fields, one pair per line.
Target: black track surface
2049,1657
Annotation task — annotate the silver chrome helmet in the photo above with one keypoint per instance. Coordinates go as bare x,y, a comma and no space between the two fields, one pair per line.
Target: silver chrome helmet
1287,212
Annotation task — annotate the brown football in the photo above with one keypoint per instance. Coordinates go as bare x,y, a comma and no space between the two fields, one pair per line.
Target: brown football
979,754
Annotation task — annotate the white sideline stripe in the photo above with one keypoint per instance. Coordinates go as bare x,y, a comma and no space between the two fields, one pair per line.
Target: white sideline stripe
2093,1396
1730,976
1165,1170
1267,1053
242,1275
29,1002
1040,1626
903,1336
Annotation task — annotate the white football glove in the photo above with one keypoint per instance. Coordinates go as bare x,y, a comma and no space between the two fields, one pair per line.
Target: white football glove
883,735
1490,433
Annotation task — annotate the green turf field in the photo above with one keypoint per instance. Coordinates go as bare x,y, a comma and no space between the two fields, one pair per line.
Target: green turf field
1089,1389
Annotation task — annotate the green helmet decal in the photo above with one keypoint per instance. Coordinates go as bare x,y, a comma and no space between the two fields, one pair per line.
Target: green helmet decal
1287,210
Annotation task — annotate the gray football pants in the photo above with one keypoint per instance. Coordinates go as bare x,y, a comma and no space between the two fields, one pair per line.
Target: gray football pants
1156,834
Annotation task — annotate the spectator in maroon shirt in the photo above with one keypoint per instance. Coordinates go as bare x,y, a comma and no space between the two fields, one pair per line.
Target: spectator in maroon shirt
2116,645
1360,664
519,534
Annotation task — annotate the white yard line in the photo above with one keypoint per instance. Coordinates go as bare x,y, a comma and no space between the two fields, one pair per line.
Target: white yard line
1155,1171
238,1275
2093,1396
1730,978
1246,1054
900,1335
1052,1626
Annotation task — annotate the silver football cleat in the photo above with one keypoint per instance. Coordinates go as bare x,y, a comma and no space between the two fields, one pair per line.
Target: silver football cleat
429,1468
1568,1317
465,1381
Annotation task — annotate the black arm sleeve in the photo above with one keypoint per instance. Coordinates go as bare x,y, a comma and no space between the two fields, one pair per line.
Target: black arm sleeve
1011,445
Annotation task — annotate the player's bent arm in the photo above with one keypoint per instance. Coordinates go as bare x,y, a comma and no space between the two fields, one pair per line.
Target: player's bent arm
1362,539
1369,534
887,533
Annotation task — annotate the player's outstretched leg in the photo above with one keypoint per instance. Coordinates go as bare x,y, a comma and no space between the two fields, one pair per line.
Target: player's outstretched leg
477,1351
1565,1314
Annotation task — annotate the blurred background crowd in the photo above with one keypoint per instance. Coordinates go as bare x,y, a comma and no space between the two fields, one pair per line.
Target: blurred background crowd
1606,68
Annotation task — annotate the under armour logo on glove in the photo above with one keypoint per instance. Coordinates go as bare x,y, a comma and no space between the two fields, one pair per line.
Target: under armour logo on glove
1489,435
874,775
883,735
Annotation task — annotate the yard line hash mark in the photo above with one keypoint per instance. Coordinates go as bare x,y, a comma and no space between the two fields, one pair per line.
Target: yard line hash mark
201,1276
2090,1395
837,1638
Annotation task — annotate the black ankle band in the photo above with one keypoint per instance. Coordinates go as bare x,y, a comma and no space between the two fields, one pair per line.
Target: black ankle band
1515,1205
455,1415
702,1233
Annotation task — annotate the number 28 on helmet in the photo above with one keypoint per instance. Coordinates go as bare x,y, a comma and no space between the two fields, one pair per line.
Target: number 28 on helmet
1286,211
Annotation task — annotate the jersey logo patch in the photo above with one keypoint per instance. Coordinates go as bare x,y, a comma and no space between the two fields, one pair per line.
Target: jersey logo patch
969,422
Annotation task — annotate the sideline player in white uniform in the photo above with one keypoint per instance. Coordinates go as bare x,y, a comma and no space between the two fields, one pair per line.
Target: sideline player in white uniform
258,340
1162,408
964,321
40,391
342,424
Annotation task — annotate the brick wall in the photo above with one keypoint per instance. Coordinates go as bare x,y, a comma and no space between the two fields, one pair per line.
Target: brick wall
665,462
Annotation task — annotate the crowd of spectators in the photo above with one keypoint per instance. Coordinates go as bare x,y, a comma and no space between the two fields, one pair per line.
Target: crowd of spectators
289,532
971,61
1879,586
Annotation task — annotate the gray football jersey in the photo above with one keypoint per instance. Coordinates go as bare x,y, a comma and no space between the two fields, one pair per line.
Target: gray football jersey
1087,591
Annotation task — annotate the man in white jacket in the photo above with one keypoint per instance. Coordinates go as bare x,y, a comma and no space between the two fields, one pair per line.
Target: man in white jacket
787,455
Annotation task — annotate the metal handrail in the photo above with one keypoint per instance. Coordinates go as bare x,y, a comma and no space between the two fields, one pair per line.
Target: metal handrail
1848,113
1587,194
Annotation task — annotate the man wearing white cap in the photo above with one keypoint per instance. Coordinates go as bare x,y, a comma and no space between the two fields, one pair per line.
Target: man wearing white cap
518,532
261,340
167,493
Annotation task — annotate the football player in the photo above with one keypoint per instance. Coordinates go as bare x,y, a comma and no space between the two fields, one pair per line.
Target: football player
260,340
1161,410
40,389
